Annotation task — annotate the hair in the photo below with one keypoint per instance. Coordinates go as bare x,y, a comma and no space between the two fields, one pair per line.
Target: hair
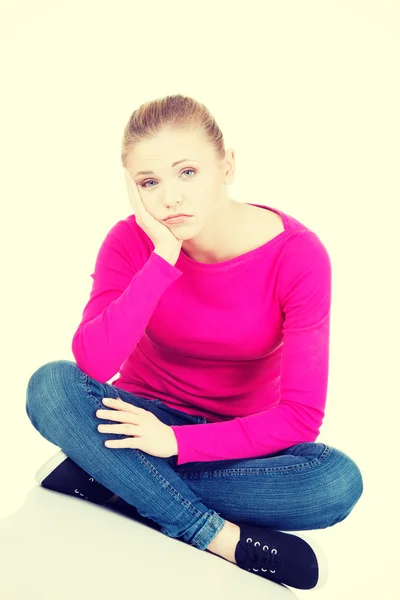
181,112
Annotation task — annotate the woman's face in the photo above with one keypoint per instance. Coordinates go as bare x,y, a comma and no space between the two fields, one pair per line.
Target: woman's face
196,186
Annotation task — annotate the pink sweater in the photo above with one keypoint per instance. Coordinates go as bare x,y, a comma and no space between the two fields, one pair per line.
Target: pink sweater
243,342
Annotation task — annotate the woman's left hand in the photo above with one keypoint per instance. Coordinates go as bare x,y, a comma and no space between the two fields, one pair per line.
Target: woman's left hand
149,433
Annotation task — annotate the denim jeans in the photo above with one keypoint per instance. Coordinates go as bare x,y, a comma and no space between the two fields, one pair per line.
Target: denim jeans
306,486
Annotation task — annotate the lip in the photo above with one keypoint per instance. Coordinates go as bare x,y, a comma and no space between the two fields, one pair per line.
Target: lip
177,219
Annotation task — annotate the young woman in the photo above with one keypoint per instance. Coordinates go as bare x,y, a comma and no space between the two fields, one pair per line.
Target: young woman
218,324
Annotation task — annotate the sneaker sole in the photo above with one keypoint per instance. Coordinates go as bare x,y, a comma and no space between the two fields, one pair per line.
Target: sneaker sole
49,466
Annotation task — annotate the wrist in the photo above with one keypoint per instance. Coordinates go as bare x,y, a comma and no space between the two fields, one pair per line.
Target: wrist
169,254
174,443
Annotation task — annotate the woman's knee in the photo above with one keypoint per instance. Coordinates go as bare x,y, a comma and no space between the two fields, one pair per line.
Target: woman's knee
46,387
347,485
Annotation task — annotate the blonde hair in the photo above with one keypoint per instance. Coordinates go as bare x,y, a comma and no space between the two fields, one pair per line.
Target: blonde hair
177,111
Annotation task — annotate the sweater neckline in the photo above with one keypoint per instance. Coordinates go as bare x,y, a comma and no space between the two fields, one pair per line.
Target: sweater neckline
246,255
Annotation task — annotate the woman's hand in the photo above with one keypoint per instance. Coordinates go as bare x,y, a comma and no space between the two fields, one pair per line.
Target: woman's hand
149,433
158,232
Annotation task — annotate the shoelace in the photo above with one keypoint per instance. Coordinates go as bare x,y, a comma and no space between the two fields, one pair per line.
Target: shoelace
258,558
86,489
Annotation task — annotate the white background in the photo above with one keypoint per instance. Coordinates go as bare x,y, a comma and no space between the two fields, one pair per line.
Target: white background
307,94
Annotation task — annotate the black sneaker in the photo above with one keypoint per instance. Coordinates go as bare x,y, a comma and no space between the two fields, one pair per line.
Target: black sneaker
61,474
281,557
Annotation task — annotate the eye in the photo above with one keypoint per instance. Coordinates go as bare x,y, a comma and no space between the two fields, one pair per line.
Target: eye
143,185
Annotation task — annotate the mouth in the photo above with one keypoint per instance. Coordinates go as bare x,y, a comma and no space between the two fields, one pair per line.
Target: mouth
176,217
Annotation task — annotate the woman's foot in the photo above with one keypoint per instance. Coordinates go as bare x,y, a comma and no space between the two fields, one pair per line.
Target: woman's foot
280,557
61,474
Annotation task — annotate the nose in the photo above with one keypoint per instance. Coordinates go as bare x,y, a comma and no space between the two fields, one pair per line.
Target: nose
170,204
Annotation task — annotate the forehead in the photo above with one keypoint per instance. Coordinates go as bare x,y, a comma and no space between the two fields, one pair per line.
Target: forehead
166,148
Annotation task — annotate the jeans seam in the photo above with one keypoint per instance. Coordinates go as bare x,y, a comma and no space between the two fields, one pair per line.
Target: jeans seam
166,484
287,470
84,383
185,503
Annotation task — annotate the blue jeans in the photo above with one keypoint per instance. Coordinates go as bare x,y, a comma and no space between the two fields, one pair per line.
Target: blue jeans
306,486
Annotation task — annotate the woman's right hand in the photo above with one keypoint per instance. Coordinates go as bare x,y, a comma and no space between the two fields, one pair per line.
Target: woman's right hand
160,235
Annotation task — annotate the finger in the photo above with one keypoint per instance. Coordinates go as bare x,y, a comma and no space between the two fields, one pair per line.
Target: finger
128,442
117,415
127,174
130,183
133,191
119,404
129,186
124,429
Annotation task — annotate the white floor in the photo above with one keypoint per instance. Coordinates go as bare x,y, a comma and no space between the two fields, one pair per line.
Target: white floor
57,547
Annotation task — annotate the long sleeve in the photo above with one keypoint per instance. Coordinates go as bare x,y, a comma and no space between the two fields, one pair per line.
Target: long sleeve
304,291
121,303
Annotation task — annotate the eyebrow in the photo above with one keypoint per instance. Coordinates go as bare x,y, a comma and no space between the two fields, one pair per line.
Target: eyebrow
152,172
